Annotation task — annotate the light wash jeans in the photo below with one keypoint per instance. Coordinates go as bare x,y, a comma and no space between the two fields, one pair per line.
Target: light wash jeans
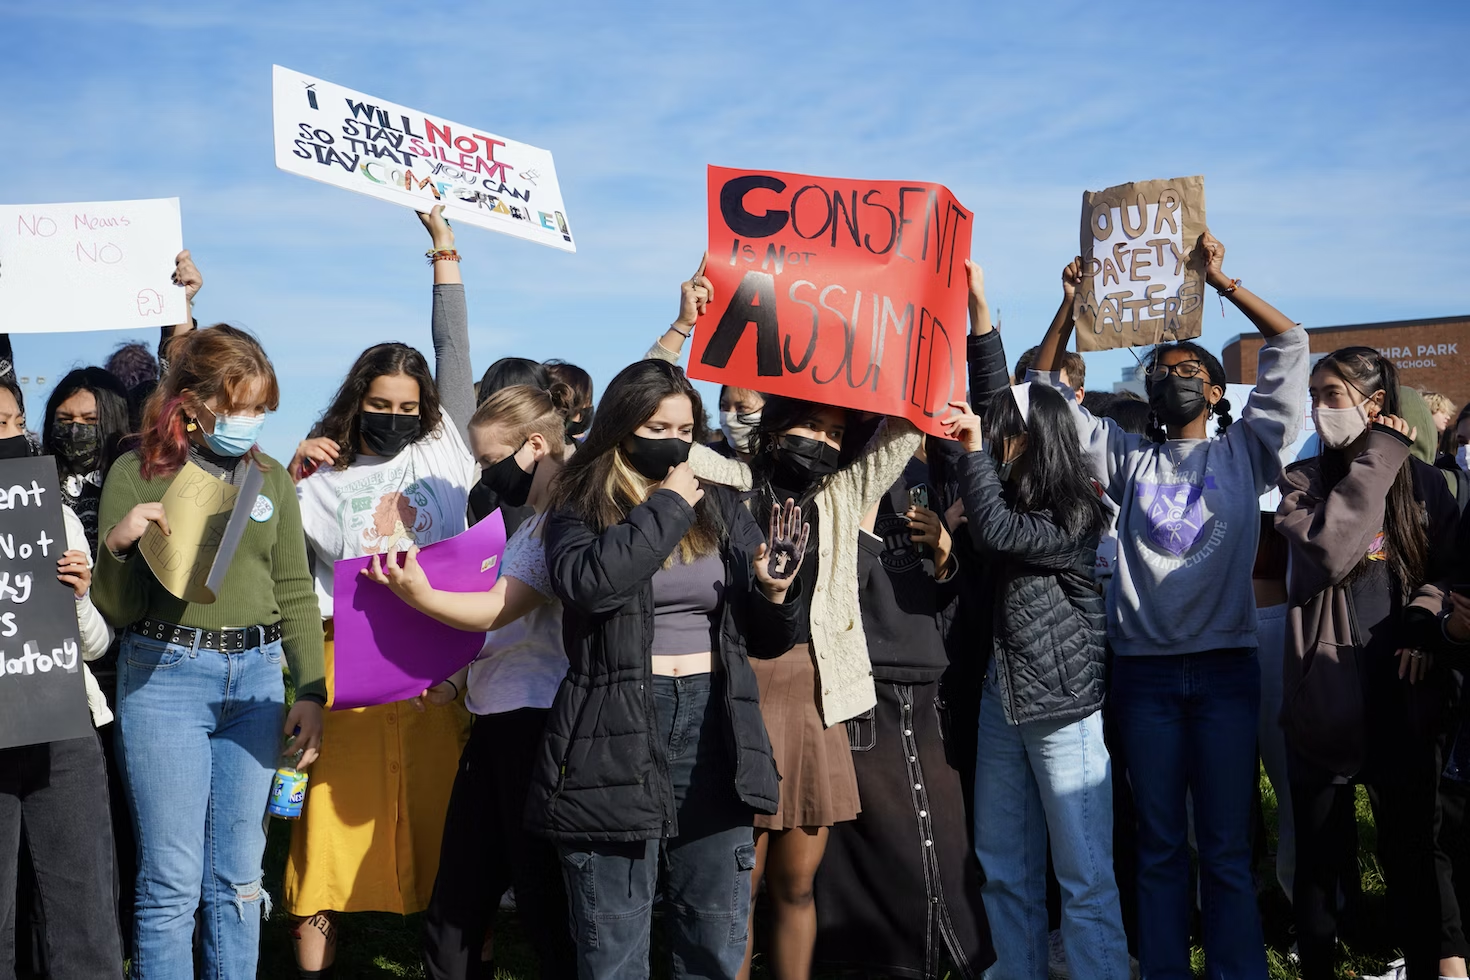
198,738
1271,649
1031,779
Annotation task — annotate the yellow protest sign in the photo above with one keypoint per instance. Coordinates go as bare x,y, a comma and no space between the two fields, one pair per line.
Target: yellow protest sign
206,519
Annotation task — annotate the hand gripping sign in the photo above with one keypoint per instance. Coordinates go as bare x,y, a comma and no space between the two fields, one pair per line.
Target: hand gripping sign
845,292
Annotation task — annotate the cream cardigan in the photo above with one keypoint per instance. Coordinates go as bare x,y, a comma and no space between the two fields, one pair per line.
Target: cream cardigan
838,641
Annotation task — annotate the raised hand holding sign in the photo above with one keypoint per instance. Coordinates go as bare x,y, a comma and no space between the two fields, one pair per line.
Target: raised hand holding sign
844,292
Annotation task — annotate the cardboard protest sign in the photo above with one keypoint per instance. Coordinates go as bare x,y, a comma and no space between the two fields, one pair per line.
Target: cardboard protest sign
410,158
1138,287
207,518
43,694
847,292
384,650
103,265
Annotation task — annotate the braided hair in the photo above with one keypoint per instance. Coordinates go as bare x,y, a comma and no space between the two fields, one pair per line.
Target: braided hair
1213,368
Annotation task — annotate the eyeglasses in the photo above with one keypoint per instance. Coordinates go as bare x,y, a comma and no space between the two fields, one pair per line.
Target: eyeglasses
1184,369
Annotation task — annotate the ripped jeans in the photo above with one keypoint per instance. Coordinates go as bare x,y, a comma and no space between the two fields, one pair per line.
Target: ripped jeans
198,739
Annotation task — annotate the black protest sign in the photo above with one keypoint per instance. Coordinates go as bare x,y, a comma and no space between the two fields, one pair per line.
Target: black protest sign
43,696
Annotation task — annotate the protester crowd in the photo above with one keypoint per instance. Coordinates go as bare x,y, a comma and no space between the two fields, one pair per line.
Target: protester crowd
890,682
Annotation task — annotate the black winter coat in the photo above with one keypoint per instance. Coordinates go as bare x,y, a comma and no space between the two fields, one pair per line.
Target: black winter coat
602,774
1049,626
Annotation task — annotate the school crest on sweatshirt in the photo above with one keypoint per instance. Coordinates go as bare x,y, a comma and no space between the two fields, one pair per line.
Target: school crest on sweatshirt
1175,513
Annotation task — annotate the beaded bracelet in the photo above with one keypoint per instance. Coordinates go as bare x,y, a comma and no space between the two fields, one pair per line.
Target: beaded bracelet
1234,285
442,255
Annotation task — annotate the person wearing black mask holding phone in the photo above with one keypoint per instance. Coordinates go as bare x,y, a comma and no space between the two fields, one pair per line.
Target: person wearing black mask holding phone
391,471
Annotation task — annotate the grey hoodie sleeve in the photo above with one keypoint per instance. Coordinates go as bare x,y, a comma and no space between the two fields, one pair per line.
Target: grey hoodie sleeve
1273,413
1106,446
452,373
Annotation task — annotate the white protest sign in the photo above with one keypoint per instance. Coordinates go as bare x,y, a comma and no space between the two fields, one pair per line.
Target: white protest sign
407,157
103,265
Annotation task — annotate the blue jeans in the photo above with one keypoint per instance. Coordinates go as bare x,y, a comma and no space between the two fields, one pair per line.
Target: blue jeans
1031,779
611,887
1188,723
198,738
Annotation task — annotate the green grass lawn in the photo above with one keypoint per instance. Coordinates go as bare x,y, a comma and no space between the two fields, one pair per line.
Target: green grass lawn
374,946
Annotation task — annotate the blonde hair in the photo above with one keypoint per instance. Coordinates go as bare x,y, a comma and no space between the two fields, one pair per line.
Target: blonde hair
1439,403
522,410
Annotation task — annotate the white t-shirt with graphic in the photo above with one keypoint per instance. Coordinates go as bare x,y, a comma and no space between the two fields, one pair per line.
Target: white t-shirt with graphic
381,504
523,664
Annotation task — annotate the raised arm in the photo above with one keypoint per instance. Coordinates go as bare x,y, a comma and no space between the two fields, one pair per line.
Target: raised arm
1054,343
984,351
695,296
187,277
1266,318
1104,444
450,324
994,526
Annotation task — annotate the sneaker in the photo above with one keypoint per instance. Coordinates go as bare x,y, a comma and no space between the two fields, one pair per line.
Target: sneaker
1056,957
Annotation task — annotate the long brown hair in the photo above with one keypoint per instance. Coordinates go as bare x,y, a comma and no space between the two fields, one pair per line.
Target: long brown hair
1405,530
217,361
342,421
600,486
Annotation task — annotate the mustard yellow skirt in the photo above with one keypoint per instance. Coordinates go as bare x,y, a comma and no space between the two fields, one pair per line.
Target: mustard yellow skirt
368,838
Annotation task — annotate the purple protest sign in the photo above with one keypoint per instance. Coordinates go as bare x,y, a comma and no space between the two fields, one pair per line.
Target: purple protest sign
385,651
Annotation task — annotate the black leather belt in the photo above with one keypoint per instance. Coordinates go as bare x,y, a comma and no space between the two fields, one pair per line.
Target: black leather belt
225,641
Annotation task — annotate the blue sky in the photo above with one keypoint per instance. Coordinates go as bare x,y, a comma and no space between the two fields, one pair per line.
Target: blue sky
1334,138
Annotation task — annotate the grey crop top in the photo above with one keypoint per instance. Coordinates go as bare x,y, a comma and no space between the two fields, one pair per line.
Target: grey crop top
686,601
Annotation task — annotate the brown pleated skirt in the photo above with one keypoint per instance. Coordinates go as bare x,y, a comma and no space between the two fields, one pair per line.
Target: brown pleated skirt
818,782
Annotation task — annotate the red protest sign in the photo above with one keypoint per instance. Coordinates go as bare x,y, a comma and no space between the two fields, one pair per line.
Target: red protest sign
846,292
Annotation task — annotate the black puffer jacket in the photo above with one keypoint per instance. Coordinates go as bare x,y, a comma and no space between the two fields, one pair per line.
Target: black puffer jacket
602,774
1049,619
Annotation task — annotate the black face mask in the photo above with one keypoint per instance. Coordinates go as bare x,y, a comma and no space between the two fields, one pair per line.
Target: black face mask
15,447
804,461
1177,401
79,443
654,457
387,434
510,483
580,426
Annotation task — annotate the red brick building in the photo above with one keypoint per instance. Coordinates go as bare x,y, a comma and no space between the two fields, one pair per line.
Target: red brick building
1431,355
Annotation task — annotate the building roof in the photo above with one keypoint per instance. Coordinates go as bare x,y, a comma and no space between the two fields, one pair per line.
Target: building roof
1433,321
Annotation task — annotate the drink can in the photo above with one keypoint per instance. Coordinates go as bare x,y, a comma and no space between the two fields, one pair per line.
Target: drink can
288,793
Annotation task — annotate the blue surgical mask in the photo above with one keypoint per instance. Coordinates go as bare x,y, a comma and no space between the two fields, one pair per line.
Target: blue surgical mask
233,435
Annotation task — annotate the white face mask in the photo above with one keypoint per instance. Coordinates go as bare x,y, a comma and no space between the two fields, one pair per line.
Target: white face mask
1338,427
737,432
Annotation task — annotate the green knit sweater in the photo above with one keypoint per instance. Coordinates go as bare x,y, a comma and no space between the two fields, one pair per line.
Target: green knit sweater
268,581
